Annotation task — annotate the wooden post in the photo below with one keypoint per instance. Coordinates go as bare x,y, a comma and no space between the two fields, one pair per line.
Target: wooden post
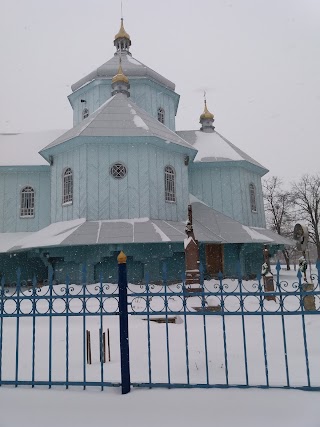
89,360
104,346
102,341
109,352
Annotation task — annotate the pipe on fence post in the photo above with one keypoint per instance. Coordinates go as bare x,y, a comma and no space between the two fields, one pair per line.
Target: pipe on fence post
102,339
123,318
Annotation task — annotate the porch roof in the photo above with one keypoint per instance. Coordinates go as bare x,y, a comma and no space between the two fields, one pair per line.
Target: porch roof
210,226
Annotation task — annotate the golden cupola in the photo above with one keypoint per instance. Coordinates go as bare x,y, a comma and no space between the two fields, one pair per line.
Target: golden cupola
206,113
120,82
122,39
206,119
120,76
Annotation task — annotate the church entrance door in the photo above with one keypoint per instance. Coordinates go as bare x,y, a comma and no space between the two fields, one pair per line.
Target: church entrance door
214,259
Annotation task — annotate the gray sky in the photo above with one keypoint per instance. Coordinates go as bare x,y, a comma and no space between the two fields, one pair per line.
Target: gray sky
258,60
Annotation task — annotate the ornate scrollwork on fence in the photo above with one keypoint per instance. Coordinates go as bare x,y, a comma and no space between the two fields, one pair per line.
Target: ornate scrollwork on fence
58,300
234,297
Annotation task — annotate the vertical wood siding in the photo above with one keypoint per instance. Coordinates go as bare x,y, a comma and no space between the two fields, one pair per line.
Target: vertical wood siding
146,94
99,196
226,189
11,184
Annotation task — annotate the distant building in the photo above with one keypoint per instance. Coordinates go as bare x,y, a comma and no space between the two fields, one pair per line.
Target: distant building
122,178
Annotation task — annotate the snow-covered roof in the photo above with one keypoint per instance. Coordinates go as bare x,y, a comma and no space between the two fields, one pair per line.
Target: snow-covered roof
21,149
209,226
131,68
213,147
8,240
120,116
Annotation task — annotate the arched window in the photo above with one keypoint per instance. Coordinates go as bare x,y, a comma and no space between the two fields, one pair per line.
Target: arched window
27,202
67,186
170,184
85,113
253,202
161,115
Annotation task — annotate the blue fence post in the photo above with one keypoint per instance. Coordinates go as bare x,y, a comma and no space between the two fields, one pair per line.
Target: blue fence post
124,327
1,322
18,289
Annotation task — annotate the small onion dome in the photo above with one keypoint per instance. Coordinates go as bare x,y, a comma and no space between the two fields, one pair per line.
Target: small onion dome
120,77
206,113
122,32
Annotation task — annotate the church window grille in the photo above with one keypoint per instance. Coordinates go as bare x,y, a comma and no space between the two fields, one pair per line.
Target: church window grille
253,201
27,202
85,113
67,186
118,170
161,115
170,184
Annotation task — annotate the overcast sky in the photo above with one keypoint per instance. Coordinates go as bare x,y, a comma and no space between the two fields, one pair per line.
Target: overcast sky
258,60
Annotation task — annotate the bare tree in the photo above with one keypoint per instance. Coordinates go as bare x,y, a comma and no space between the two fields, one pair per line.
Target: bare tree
306,193
279,211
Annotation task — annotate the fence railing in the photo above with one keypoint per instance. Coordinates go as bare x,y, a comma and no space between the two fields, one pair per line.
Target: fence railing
218,333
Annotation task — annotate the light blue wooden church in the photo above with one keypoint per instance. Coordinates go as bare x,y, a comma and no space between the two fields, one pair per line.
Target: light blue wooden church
122,179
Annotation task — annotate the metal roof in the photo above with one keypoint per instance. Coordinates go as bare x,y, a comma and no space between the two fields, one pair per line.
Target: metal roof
210,226
120,116
131,67
213,147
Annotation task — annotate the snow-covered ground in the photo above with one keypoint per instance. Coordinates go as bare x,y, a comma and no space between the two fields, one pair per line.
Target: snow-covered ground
158,407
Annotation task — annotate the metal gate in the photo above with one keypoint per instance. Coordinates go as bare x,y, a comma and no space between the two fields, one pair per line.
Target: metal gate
43,333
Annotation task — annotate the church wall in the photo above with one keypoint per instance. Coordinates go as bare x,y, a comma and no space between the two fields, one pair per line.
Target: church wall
95,94
141,193
100,260
143,259
254,219
11,184
143,92
76,160
151,96
226,189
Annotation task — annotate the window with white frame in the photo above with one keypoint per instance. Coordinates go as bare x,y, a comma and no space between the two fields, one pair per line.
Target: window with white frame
170,184
85,113
27,202
253,202
161,115
67,196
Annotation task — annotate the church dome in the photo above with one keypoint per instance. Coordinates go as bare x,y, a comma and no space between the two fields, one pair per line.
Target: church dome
122,32
120,77
206,113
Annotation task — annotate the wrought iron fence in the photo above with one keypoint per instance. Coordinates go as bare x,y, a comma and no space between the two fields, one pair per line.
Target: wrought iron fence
43,339
219,333
244,336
